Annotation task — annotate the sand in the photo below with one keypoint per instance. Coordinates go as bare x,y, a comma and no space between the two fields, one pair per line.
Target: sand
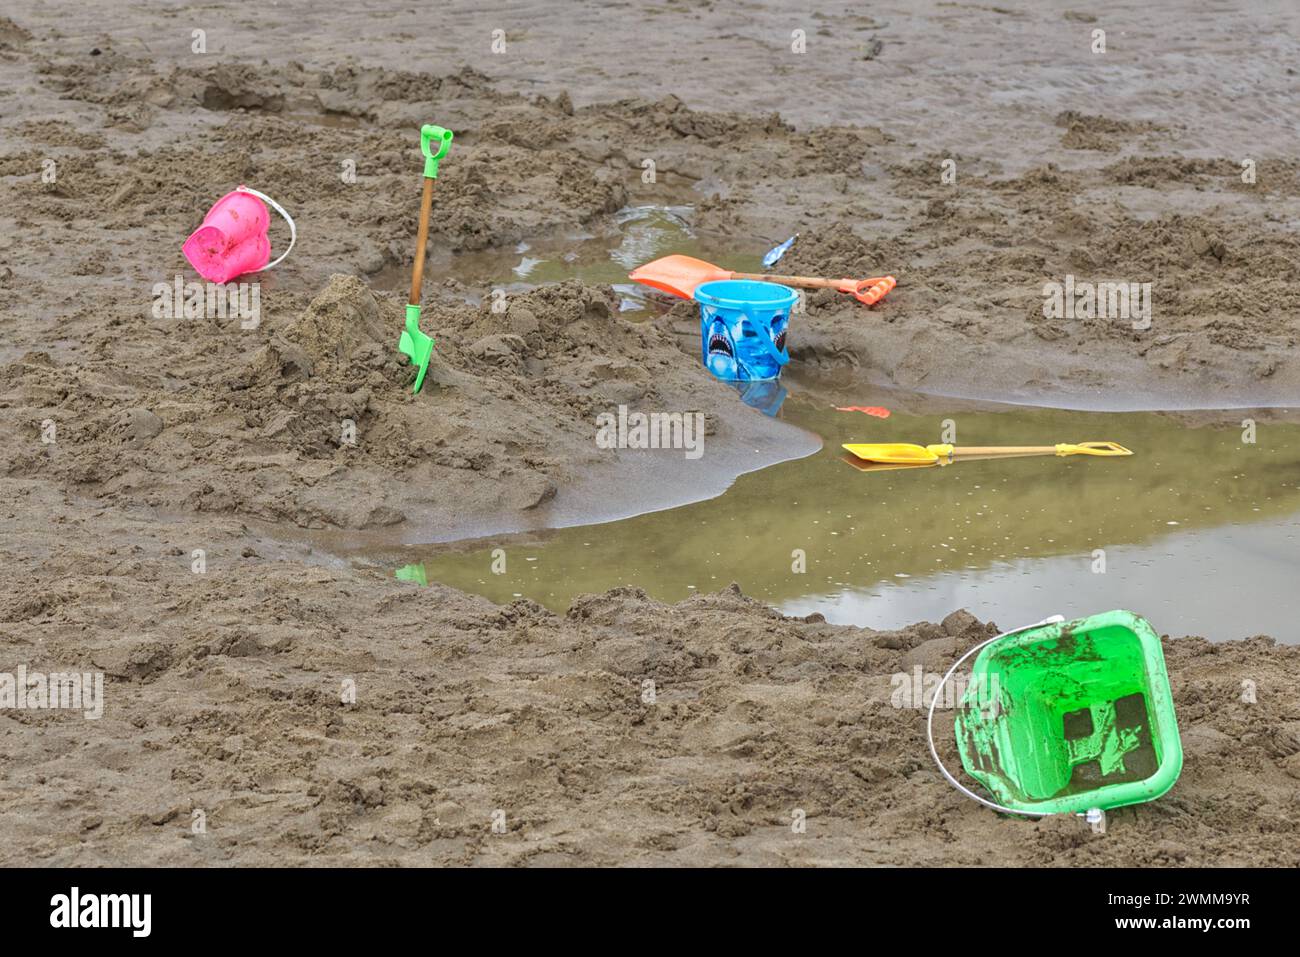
136,439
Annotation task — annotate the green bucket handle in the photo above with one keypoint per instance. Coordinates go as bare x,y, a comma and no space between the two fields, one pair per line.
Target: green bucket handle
429,133
929,725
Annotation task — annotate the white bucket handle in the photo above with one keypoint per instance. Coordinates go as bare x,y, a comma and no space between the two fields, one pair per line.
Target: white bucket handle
929,722
293,230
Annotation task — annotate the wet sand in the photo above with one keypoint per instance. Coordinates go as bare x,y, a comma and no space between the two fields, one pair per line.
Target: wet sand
173,435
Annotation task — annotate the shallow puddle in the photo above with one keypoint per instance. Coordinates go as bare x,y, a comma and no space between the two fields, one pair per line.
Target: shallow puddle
1197,531
639,234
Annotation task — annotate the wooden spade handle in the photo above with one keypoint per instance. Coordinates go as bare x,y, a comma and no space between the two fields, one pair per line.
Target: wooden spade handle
803,282
422,240
866,291
993,450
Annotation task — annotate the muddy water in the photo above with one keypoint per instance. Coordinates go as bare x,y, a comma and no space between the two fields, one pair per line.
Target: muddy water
1195,515
640,233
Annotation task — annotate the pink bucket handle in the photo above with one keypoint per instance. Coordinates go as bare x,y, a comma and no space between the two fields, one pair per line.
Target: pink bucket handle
232,239
293,229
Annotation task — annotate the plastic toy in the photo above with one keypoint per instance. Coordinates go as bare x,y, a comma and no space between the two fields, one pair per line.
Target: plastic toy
232,240
742,328
413,342
681,275
1066,717
901,453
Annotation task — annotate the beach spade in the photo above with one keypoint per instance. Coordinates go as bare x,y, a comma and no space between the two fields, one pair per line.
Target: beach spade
901,453
417,346
862,465
679,275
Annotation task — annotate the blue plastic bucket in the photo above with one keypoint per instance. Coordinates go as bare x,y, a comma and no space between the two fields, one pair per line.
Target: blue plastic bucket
742,328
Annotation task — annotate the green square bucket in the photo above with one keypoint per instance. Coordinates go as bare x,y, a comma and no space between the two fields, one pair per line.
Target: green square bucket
1064,717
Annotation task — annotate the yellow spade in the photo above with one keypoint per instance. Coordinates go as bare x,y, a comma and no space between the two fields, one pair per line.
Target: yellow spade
901,453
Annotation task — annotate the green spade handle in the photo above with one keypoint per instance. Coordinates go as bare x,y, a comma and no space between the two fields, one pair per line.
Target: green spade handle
428,133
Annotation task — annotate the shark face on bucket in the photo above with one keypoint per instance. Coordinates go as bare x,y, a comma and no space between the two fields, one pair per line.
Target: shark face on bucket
720,351
777,331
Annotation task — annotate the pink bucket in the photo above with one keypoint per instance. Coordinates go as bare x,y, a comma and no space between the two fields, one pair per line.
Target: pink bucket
232,240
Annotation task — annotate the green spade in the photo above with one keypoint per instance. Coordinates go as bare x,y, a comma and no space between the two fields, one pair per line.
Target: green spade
413,343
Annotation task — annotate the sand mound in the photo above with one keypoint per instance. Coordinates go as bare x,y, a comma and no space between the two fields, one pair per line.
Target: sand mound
308,418
341,327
